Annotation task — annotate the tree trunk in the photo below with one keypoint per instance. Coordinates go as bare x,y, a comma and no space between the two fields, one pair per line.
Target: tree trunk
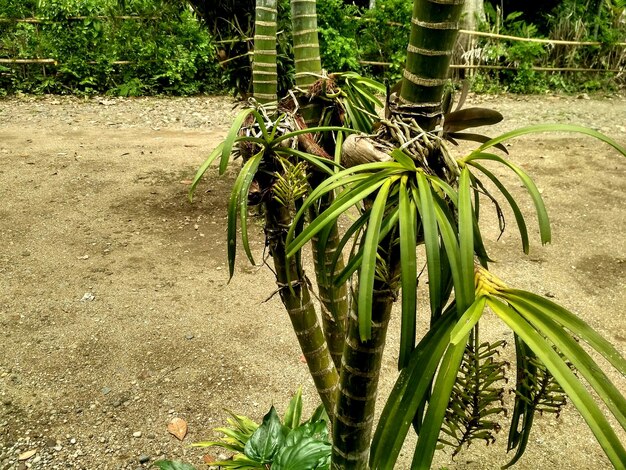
264,76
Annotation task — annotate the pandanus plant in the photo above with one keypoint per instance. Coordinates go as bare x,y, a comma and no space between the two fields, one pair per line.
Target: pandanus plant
409,191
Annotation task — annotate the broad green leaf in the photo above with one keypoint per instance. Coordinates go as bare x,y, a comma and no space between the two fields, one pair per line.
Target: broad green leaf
550,128
267,440
466,235
307,453
570,321
426,207
173,465
319,415
408,242
411,387
227,148
542,214
294,410
579,358
572,386
203,168
368,265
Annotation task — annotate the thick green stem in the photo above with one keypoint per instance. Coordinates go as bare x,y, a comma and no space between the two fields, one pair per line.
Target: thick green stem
295,295
354,413
434,28
306,48
334,299
264,73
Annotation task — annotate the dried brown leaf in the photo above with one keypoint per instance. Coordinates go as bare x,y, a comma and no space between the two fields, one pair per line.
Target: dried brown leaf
177,428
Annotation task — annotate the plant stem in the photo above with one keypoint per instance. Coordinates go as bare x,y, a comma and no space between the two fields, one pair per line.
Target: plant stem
294,293
264,73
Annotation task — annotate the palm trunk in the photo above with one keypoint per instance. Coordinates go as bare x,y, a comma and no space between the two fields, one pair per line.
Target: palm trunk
264,75
295,295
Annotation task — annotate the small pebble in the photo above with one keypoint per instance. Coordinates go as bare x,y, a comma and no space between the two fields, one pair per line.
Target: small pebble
143,458
137,434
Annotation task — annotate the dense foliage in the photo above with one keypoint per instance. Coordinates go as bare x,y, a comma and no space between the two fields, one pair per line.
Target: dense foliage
163,50
169,51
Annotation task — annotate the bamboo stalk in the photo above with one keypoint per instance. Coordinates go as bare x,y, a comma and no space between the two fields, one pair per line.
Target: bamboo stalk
28,61
264,70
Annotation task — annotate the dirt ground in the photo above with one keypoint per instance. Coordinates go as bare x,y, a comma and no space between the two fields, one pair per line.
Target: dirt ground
115,310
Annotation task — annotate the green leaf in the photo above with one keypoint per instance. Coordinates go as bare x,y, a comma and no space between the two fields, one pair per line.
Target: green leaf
570,321
550,128
294,410
408,274
243,202
411,387
579,358
173,465
311,130
203,168
233,133
542,214
341,204
467,321
426,207
307,453
314,160
267,440
575,390
404,160
446,377
466,235
245,175
368,265
519,217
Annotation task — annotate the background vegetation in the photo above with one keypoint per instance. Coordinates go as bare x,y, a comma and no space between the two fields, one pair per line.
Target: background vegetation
167,50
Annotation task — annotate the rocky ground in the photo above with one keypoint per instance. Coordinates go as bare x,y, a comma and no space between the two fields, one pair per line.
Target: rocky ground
116,314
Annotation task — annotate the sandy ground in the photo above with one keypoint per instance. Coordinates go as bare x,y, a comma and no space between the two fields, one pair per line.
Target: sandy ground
116,314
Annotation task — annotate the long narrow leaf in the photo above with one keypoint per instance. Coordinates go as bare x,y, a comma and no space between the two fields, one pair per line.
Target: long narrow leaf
426,207
466,234
368,265
575,390
227,148
579,358
408,242
519,217
550,128
408,392
570,321
203,168
542,214
233,206
243,202
444,383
